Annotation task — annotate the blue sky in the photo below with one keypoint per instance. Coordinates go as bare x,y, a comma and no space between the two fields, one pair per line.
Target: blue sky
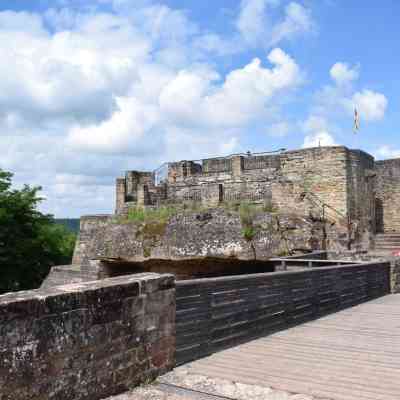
93,88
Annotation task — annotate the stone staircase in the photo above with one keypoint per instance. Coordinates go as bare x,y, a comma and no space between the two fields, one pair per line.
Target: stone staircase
387,242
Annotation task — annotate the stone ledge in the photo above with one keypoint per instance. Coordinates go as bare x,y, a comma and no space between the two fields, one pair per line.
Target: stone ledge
86,340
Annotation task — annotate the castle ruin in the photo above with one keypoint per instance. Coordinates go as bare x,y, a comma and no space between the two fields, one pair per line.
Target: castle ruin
349,185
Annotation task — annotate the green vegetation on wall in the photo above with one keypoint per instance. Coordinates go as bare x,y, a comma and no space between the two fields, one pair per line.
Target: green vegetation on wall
161,214
30,242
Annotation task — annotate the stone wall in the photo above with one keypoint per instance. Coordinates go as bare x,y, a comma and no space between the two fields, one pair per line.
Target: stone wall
320,171
89,227
212,233
346,187
189,181
66,274
388,195
335,176
87,340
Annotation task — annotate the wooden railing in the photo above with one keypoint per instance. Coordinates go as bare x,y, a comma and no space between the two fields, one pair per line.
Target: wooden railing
213,314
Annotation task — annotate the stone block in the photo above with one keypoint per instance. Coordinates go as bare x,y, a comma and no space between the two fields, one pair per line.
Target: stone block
87,340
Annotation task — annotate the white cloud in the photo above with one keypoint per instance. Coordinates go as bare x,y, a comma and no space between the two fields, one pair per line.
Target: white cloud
252,20
19,22
66,76
343,74
321,138
315,123
100,93
242,97
192,99
317,132
297,20
386,151
339,100
279,129
371,105
123,131
257,26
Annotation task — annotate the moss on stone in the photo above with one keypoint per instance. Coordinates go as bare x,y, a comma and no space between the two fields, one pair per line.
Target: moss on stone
249,233
153,229
145,215
146,252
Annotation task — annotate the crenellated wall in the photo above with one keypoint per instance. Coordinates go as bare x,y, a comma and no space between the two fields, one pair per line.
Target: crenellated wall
348,184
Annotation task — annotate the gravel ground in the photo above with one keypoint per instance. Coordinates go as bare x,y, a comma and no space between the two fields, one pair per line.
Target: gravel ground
183,385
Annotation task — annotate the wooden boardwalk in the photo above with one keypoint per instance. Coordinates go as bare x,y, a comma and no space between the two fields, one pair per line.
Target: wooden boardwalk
351,355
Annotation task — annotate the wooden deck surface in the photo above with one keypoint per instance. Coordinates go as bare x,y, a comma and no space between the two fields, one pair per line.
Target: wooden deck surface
351,355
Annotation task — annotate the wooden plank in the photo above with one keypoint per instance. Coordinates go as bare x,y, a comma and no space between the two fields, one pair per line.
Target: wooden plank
218,311
351,355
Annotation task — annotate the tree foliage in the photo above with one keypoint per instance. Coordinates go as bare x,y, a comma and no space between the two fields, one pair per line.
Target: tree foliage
30,242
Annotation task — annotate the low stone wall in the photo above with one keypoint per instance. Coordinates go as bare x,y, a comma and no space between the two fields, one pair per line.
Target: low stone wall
87,340
216,313
65,274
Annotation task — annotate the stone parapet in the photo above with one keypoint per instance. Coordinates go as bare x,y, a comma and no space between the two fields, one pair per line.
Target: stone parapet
86,340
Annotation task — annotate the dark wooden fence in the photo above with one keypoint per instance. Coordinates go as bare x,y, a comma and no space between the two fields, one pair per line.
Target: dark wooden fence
217,313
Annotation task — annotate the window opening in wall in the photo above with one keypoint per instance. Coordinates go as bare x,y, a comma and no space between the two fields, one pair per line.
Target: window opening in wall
221,193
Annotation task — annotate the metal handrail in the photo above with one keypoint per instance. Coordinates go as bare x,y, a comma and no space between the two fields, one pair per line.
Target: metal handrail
248,154
323,204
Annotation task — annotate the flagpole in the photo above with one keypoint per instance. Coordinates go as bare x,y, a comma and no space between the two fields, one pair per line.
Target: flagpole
356,128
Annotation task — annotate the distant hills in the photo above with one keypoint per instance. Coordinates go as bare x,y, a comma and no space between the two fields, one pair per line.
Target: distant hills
70,223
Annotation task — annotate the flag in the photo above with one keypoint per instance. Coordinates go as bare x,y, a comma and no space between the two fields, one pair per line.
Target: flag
356,127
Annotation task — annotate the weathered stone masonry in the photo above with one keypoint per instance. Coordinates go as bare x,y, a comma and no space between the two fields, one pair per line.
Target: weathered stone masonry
388,195
87,340
350,182
212,234
96,339
294,181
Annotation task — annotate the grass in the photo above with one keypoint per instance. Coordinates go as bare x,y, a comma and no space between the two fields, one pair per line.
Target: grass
249,233
153,221
269,207
247,213
231,205
143,215
146,252
283,253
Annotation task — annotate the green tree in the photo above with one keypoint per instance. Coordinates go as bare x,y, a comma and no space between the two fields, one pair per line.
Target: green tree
30,242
